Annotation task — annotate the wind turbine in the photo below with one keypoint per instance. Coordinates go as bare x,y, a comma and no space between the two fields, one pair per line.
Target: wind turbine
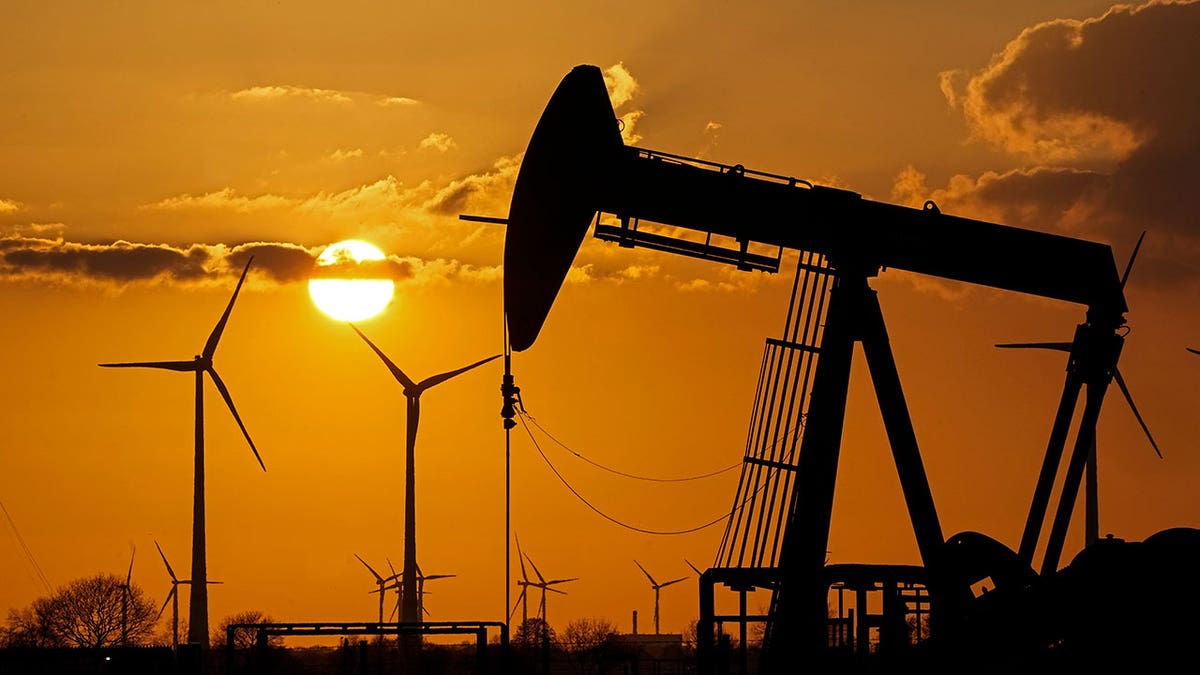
1194,351
379,581
126,591
410,610
201,364
421,579
173,598
657,588
545,586
1091,510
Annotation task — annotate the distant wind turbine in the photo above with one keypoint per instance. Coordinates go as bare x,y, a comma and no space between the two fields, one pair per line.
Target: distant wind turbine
173,598
126,591
1194,351
544,586
657,588
201,364
380,581
410,610
421,579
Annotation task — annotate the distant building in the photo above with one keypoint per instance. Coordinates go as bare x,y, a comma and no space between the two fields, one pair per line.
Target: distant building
664,646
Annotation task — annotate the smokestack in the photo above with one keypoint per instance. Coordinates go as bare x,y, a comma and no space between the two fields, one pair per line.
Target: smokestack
635,622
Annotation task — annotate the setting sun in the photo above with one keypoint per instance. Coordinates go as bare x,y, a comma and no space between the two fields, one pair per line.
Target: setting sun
344,295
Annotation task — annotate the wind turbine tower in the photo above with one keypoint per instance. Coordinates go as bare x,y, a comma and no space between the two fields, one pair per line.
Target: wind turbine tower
201,364
410,611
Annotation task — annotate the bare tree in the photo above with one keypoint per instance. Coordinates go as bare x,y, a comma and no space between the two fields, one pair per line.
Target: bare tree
97,611
243,639
590,641
588,634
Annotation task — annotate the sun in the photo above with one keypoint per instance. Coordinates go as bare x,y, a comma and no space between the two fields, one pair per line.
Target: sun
340,291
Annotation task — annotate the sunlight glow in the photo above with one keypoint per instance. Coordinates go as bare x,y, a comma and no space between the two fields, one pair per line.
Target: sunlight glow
351,299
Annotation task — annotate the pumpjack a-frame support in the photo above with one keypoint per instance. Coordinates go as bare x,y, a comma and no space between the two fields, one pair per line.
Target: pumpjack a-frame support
799,602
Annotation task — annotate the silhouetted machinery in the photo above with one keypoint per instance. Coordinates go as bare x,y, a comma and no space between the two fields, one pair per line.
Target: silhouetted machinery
1115,601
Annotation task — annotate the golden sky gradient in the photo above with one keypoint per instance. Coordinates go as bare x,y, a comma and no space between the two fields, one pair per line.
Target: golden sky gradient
148,148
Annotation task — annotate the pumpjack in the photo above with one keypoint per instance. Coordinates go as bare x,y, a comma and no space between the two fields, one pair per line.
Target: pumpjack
1114,603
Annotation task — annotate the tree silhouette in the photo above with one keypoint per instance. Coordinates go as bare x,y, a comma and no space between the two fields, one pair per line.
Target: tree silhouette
533,633
591,643
243,639
86,612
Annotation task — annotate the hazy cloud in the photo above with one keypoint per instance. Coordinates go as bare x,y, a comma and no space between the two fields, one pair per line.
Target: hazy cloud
341,155
9,206
422,217
397,101
485,193
1104,110
221,199
621,89
278,92
712,135
437,141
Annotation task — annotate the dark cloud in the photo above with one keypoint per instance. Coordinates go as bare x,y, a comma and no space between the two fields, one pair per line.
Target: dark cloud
283,263
1106,111
121,263
396,269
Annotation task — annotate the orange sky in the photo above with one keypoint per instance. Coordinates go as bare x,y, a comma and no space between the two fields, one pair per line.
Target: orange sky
147,148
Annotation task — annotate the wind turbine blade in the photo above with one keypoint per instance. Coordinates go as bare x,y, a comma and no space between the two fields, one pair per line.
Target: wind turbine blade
403,379
364,562
438,576
673,581
438,379
520,598
1194,351
554,590
1132,257
521,559
393,569
535,570
167,601
164,559
1056,346
694,569
179,366
643,569
129,574
1125,390
561,581
210,347
229,402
